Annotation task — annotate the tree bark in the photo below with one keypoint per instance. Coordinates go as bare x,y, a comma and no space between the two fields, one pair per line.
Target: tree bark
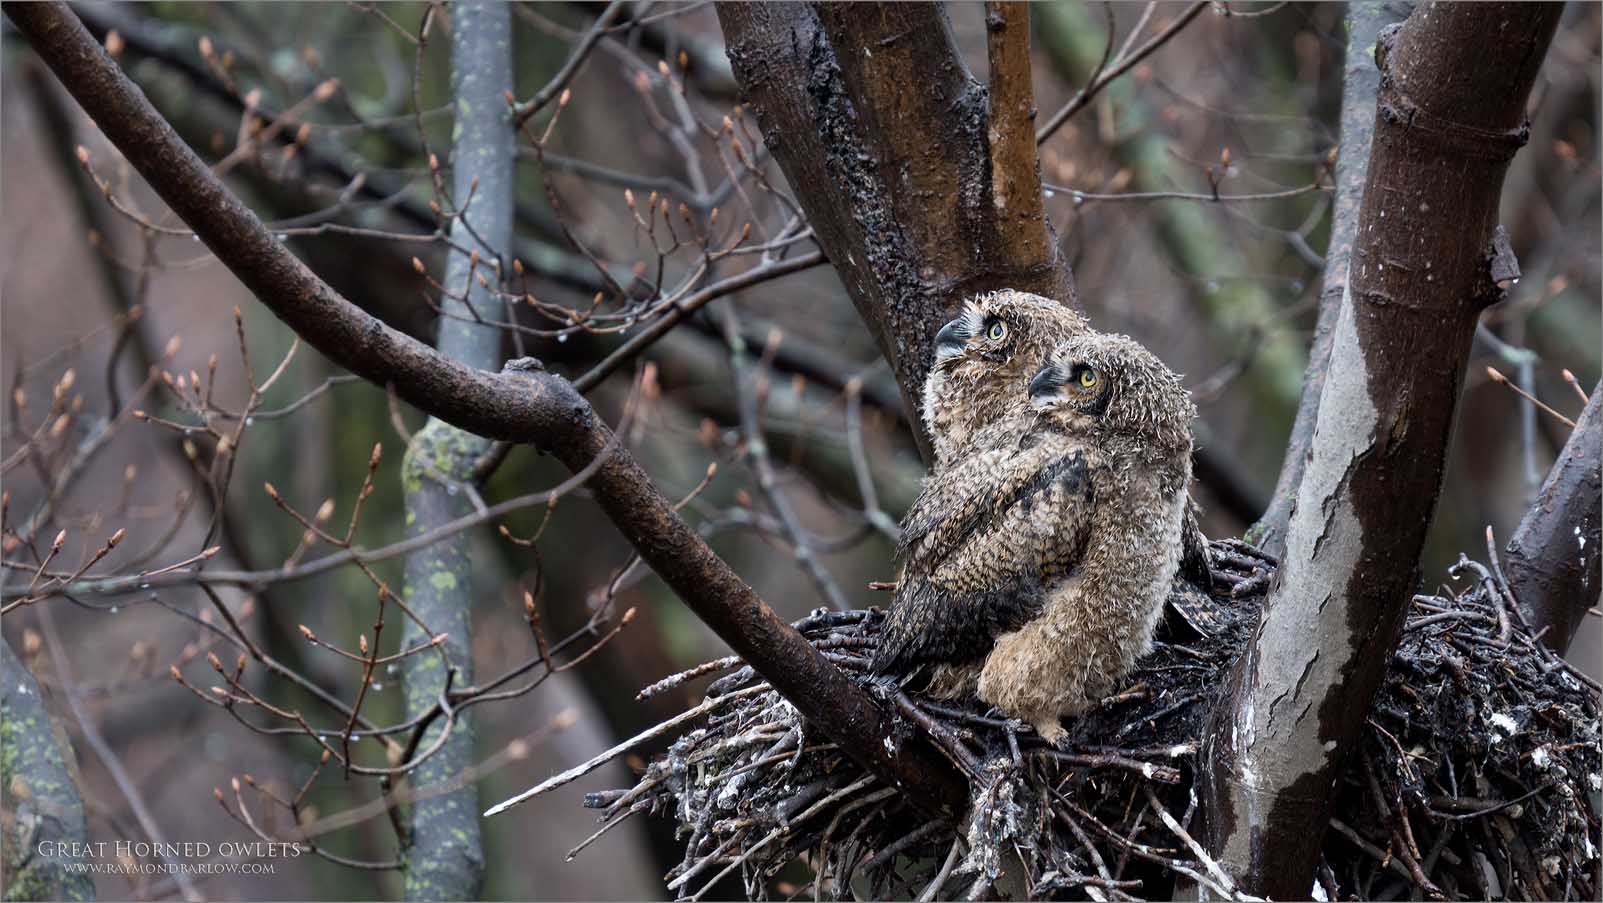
1428,258
42,803
1360,82
1553,559
913,180
443,853
521,404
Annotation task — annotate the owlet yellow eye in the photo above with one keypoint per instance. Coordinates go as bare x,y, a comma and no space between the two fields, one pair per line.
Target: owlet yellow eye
1087,378
997,331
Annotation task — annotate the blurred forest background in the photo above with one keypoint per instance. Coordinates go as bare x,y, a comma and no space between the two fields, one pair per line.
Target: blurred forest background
1242,101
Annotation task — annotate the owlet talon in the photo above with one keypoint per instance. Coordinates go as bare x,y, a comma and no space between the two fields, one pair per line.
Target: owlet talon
1060,740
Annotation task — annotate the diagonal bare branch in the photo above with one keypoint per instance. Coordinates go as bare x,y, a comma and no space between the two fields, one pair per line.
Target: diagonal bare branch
523,403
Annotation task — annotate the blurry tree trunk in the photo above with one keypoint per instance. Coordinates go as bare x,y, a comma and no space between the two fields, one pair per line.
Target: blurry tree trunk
919,183
1360,82
444,858
1553,559
1428,258
42,805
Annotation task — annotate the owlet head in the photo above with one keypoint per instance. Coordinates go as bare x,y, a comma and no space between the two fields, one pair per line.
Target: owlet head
983,361
1003,330
1111,385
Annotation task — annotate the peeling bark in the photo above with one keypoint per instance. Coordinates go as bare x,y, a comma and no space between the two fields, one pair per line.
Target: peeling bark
1553,560
892,145
1360,82
1426,261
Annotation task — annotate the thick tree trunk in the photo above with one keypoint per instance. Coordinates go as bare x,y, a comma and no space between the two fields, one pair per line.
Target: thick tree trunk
1553,559
1360,82
917,186
1427,259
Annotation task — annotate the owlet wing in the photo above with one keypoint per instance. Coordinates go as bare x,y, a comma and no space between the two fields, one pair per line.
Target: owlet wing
981,543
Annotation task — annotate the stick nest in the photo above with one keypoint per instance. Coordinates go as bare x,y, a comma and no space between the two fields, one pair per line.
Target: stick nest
1477,775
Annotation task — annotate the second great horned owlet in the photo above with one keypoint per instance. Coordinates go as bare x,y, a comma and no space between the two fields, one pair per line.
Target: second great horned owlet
1035,574
976,394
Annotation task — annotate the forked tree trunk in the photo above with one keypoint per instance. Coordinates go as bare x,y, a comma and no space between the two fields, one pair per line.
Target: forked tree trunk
1427,260
919,183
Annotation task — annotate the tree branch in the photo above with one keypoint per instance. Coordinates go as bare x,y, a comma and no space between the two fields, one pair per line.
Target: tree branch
521,404
570,68
1428,260
1105,73
1015,168
1553,559
173,46
1237,311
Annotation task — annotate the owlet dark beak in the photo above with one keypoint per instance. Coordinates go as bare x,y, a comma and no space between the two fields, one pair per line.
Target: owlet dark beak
1047,382
951,340
952,337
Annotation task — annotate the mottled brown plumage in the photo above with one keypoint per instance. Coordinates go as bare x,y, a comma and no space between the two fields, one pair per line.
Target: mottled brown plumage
976,397
1035,573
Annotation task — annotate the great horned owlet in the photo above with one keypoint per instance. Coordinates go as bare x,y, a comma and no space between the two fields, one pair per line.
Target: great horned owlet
1034,574
975,396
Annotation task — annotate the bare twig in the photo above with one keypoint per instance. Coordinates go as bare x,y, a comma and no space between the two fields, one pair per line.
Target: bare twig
1126,60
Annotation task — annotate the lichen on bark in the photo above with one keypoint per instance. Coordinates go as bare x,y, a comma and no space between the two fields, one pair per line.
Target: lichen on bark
41,799
443,853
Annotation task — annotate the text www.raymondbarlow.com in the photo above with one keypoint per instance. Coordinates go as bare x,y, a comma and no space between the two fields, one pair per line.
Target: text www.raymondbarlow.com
169,868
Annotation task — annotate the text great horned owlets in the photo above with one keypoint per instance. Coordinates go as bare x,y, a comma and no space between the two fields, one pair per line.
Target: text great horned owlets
1036,568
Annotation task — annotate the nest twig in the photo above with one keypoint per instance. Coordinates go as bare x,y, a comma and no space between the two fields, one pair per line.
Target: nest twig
1476,776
